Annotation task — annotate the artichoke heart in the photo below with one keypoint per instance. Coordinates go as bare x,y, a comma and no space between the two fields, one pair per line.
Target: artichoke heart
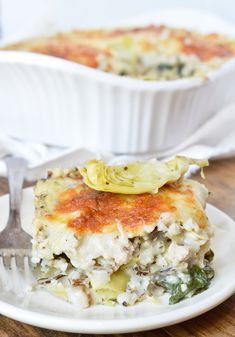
116,285
137,177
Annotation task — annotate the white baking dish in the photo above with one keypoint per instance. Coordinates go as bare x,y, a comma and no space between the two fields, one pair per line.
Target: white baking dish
47,99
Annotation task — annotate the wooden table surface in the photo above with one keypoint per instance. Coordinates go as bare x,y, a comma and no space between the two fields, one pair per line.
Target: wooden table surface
219,322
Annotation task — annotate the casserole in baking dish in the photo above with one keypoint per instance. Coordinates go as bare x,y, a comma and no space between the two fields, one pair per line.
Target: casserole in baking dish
82,106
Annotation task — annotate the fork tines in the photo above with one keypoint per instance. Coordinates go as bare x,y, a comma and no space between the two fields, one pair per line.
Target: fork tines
15,271
21,256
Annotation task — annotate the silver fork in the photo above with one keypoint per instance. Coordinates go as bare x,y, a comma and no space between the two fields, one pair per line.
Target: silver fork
15,243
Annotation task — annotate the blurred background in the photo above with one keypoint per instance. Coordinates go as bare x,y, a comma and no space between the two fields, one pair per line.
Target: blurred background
24,16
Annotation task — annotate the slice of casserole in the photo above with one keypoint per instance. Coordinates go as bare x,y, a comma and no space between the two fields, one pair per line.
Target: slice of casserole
148,52
148,237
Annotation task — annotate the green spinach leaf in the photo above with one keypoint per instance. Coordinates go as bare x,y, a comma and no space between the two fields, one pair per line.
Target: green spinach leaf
199,281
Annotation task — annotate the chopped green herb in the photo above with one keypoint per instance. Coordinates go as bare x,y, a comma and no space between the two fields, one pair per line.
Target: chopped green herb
165,66
199,281
123,73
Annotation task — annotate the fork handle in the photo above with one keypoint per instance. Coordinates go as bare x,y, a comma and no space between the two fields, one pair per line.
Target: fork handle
16,169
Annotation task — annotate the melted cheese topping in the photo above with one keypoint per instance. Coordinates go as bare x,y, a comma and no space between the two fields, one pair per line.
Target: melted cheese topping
86,211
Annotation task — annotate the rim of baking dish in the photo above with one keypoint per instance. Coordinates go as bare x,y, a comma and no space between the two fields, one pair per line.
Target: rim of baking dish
58,64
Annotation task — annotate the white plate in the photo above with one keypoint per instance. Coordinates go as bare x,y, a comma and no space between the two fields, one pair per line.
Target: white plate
44,310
